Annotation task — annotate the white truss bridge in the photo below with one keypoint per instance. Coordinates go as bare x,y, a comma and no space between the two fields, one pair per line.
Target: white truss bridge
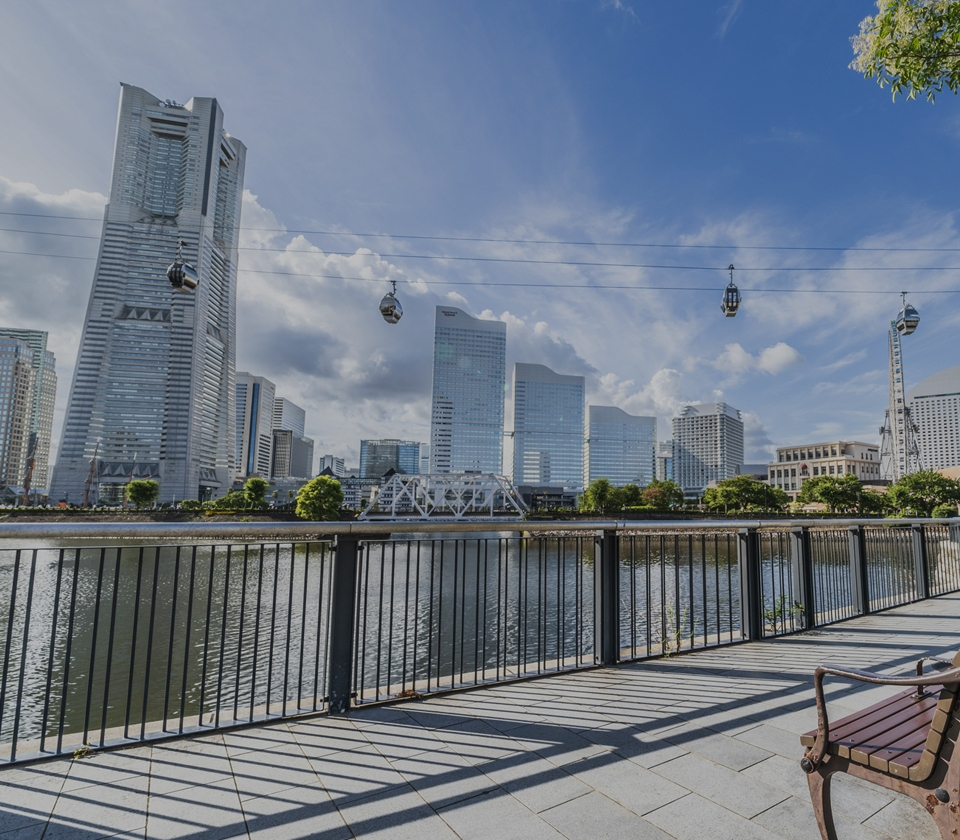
447,496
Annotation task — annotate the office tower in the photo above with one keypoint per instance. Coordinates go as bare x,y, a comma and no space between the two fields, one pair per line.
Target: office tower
334,464
379,456
665,460
935,408
292,455
469,378
707,445
254,429
621,447
44,397
289,415
154,382
547,427
17,382
424,459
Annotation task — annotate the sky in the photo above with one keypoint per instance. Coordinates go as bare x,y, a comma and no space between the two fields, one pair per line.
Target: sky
584,170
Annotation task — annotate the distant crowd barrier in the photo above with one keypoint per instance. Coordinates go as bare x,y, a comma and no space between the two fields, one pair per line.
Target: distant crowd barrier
113,634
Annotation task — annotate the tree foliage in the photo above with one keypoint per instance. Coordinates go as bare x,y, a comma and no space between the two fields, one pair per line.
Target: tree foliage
922,491
320,498
233,500
663,495
911,45
255,491
742,493
142,492
596,498
840,493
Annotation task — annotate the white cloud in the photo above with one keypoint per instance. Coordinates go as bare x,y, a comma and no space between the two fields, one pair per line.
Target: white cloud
735,361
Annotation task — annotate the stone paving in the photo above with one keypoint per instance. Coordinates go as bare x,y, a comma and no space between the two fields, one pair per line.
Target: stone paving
703,745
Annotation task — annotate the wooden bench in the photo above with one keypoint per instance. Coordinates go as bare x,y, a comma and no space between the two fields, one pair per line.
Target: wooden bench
907,743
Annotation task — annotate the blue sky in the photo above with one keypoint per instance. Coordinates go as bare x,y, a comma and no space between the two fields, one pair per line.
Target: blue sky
682,125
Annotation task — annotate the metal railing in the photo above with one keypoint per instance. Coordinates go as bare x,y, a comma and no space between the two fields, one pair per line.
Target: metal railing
113,634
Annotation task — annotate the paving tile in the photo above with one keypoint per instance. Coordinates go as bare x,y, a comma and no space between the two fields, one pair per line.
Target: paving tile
774,739
642,749
443,777
212,812
402,815
353,775
400,740
559,745
791,819
266,737
477,741
294,813
104,768
729,752
181,764
735,791
904,817
110,809
535,782
329,735
502,817
779,772
694,818
29,795
28,832
594,815
857,802
262,773
634,787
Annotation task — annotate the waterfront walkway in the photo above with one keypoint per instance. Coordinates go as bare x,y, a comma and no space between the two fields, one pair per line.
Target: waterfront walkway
703,745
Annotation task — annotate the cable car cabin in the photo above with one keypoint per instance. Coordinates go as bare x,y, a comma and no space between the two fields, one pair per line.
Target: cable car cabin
183,276
731,300
907,320
390,308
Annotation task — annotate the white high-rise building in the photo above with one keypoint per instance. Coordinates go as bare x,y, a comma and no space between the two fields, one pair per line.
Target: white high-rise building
547,427
255,402
935,408
621,447
17,381
707,445
41,412
469,378
288,415
154,382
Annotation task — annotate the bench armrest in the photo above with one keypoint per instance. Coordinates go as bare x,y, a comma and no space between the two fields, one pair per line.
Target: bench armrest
814,755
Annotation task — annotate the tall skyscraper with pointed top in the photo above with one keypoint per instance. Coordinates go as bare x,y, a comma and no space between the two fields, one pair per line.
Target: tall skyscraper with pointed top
153,391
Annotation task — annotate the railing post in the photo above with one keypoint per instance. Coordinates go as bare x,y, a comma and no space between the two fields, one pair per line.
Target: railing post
606,588
342,621
921,566
859,582
751,584
802,568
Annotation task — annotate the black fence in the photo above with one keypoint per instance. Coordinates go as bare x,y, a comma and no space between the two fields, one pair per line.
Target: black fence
105,644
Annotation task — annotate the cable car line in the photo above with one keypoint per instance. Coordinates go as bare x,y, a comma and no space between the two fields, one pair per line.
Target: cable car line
572,263
510,241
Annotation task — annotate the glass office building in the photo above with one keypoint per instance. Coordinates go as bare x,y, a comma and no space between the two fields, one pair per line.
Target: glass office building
547,427
707,445
378,457
41,409
469,379
154,381
621,447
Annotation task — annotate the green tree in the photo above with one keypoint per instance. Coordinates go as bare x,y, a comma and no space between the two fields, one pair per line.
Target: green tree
922,491
911,45
320,498
740,493
142,491
597,496
632,495
190,504
839,493
233,500
255,491
944,511
663,494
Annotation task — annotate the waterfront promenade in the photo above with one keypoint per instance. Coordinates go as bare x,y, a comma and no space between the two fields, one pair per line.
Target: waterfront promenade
703,745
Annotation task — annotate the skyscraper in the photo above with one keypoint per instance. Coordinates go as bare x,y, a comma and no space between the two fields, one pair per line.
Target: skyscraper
289,415
621,447
255,406
707,445
547,427
379,456
17,380
154,382
935,407
44,397
469,378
